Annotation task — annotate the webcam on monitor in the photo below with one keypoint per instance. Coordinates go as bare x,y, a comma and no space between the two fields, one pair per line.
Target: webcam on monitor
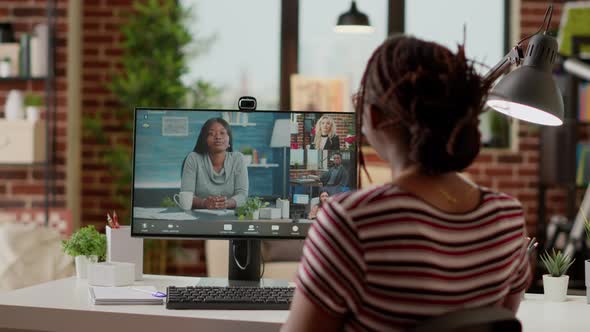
247,103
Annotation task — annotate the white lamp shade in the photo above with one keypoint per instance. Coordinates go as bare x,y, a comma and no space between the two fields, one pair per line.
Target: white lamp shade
281,134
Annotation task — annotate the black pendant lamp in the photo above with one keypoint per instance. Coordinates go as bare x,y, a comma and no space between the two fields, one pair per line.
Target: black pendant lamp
353,21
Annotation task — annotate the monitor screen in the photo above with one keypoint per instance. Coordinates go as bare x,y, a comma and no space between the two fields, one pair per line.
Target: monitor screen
232,174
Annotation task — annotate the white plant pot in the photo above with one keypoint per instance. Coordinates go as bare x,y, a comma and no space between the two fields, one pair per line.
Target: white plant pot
256,215
248,159
587,275
262,161
82,263
32,113
5,69
555,288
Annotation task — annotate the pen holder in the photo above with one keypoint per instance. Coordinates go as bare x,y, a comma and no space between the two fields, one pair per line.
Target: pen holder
121,247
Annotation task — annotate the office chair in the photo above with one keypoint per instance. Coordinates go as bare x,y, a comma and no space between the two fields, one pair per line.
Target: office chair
487,319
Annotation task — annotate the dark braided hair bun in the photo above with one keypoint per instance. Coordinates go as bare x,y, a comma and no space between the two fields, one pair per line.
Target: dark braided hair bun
435,96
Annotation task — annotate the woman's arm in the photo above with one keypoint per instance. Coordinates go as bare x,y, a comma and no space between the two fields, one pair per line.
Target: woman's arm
240,181
308,316
313,213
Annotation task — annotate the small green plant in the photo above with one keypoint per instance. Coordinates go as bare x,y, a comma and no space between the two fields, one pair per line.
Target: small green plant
252,204
556,264
33,100
87,241
167,202
247,150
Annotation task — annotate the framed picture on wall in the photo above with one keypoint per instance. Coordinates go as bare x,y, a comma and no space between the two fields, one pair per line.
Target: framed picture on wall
319,94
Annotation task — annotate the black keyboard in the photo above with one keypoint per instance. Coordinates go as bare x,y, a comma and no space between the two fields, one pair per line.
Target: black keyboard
230,298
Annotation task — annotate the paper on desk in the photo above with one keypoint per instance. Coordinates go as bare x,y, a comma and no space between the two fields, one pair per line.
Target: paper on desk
124,295
158,213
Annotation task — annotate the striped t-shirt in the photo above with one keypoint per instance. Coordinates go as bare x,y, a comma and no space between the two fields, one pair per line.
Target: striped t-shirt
384,259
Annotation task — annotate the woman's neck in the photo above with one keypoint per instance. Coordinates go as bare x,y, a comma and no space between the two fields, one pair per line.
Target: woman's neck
217,158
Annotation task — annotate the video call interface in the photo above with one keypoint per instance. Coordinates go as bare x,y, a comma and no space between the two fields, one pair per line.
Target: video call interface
207,173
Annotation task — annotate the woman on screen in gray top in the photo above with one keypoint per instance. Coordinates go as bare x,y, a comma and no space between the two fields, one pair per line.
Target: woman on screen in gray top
213,172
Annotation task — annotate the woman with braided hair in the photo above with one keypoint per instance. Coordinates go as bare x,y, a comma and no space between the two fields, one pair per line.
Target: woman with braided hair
429,242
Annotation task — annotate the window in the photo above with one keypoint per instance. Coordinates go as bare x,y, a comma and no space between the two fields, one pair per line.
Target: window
485,42
243,55
325,54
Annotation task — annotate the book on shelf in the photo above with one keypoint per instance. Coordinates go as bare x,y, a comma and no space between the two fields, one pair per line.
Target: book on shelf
583,103
583,164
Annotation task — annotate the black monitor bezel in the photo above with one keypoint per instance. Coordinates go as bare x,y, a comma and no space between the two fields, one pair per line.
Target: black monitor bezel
221,236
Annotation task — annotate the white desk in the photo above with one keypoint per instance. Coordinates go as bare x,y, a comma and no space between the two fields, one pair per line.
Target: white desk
63,305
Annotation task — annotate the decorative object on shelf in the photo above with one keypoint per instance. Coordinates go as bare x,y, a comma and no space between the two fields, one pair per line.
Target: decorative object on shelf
13,108
353,21
22,142
10,51
263,159
39,49
251,209
255,159
25,55
247,152
32,104
6,67
6,33
87,245
555,283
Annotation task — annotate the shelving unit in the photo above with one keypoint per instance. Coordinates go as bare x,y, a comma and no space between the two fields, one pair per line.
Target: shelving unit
50,112
557,151
263,165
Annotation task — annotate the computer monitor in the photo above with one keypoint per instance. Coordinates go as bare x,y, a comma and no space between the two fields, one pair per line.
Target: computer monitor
237,175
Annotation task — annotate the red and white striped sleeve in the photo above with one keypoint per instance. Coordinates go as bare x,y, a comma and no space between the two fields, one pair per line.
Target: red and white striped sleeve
332,270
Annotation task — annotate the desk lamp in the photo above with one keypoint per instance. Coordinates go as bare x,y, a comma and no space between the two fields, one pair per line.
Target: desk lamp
529,92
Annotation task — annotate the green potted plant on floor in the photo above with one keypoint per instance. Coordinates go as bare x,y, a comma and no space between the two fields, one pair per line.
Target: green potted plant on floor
87,246
555,283
251,209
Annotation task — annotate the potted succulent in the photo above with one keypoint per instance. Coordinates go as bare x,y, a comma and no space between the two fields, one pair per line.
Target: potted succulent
32,103
5,67
251,209
87,246
555,283
247,152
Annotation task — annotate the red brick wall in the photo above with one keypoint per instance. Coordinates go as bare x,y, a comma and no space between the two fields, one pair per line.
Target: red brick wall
23,187
101,55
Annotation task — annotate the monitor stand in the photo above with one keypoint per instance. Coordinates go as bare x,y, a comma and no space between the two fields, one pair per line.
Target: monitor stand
243,268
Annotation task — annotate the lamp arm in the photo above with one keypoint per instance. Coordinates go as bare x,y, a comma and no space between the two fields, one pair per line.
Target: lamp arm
514,56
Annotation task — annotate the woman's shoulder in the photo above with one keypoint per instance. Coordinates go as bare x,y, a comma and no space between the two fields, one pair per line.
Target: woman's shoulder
236,157
499,198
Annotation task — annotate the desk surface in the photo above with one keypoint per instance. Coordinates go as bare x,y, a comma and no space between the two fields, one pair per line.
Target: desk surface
63,305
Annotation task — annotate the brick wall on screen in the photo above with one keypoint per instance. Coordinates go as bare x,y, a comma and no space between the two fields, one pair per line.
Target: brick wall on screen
23,186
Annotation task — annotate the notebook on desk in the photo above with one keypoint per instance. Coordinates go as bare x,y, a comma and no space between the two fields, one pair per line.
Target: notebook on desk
136,295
